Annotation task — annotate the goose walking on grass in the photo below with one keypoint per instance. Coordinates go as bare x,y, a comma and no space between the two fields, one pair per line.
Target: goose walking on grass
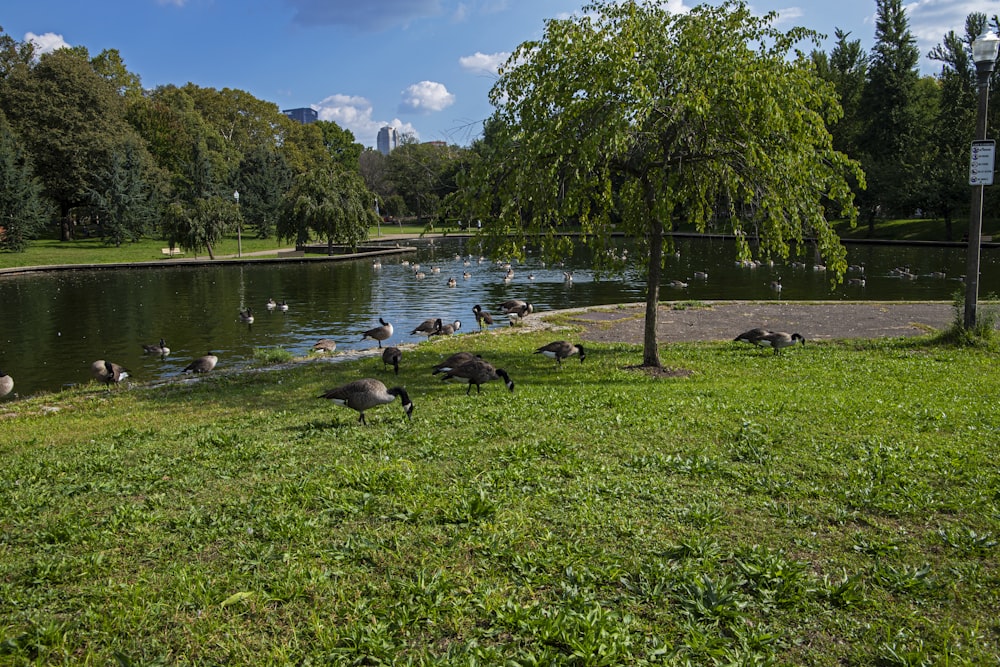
516,310
778,340
478,372
325,345
391,356
365,394
202,364
483,318
753,336
454,361
560,350
107,372
379,333
6,384
159,349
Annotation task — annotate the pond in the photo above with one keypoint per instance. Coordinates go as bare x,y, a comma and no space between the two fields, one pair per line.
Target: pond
56,324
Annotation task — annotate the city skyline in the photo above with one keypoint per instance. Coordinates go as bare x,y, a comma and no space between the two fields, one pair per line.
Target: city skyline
423,67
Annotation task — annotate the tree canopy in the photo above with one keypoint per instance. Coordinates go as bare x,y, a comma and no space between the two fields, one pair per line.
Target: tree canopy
626,116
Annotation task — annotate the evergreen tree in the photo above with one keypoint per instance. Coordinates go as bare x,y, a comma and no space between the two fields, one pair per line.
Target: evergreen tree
23,210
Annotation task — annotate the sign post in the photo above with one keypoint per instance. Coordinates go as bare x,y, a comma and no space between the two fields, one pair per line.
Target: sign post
981,164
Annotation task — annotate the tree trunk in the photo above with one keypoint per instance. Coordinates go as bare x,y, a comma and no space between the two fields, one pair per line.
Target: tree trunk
211,253
329,246
65,228
650,352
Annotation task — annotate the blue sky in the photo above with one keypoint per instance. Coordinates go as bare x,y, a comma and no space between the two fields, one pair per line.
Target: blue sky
424,66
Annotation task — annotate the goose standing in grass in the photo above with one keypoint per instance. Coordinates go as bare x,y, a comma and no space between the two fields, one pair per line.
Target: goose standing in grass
446,329
325,345
483,317
427,327
246,316
108,372
202,364
478,372
454,361
560,350
391,356
778,340
160,350
379,333
753,336
6,384
365,394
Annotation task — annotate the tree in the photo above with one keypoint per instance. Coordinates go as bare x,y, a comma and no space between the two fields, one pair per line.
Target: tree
341,145
122,197
262,181
334,204
625,116
23,210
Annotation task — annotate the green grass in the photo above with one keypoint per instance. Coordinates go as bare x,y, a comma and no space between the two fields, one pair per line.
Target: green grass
835,505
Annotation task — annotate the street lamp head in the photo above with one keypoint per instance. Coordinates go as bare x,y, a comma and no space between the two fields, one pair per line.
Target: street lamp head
985,47
236,196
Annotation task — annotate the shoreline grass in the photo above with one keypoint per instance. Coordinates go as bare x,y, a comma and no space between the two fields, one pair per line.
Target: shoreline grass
837,504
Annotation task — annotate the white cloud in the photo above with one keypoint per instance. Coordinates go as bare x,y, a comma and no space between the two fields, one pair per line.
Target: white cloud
425,97
484,63
46,43
355,113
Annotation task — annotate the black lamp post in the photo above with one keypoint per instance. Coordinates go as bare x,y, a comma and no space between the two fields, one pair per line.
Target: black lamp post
984,53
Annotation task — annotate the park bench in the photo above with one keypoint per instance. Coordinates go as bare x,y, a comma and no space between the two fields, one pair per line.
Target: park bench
169,252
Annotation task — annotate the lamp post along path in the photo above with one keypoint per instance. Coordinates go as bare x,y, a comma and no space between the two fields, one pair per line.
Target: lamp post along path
984,53
239,225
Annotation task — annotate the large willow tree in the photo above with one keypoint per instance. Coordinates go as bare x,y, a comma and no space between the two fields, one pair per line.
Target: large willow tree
628,117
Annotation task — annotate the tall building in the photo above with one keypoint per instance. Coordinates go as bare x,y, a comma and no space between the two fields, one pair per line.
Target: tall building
304,115
388,138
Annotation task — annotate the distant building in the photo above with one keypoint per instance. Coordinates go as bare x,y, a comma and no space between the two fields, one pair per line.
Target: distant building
388,138
305,115
439,144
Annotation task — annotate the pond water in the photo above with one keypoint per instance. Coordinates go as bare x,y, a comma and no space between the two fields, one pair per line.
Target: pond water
56,324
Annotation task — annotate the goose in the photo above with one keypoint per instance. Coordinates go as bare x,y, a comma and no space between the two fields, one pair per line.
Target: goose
509,276
282,306
819,267
367,393
446,329
452,282
560,350
454,361
701,275
160,349
202,364
325,345
391,356
568,276
778,340
246,316
271,304
856,268
531,276
108,372
515,304
427,327
679,284
857,282
419,275
376,265
753,336
466,275
379,333
435,269
478,372
776,285
483,318
6,384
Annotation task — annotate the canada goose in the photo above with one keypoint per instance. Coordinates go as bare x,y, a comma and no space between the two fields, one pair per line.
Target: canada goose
271,304
202,364
435,269
515,304
753,336
108,372
776,285
857,282
678,284
819,267
560,350
282,306
701,275
6,384
509,276
454,361
376,265
531,276
365,394
419,275
427,327
568,276
446,329
246,316
778,340
478,372
160,349
325,345
391,356
856,268
466,275
379,333
483,317
452,282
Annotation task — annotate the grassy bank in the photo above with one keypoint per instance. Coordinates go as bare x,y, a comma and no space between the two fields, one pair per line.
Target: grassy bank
838,504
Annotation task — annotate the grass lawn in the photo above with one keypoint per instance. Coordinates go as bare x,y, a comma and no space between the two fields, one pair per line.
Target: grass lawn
838,504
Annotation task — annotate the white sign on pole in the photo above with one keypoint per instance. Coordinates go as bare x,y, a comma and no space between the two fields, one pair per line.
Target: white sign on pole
981,165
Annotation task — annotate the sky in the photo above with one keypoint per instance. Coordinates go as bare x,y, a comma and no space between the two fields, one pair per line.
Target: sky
422,66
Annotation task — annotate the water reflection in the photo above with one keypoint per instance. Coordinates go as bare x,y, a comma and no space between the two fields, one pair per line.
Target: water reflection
56,324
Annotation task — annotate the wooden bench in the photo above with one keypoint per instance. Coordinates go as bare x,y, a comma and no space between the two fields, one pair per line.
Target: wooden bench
171,251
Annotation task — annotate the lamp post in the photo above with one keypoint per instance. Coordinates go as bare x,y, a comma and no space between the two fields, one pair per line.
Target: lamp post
239,225
984,53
